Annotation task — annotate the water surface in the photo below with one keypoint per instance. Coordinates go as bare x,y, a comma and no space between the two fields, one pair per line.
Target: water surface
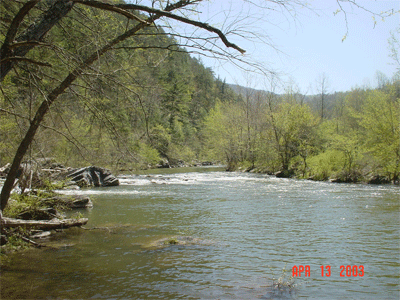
242,231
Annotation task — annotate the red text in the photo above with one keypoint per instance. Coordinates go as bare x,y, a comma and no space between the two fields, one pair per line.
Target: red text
296,271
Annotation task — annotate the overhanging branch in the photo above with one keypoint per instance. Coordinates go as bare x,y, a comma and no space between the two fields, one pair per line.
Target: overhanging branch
167,14
32,61
111,7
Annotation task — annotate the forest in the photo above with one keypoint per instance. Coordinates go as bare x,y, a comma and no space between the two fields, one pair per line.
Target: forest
151,103
344,137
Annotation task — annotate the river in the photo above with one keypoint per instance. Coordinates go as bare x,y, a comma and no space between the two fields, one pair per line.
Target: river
238,236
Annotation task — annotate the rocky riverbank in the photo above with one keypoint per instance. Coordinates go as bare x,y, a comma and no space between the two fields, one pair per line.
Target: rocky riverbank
366,176
35,210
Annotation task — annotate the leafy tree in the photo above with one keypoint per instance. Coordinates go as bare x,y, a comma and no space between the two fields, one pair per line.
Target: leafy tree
293,127
224,134
380,119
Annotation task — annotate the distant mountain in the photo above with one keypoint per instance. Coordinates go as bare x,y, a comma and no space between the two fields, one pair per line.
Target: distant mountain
245,91
314,101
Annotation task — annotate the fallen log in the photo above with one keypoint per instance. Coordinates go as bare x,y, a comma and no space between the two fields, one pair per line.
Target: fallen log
43,225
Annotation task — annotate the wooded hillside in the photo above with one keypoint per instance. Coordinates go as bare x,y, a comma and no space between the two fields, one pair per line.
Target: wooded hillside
141,104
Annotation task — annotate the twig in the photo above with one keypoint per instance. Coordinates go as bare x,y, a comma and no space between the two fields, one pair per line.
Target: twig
32,242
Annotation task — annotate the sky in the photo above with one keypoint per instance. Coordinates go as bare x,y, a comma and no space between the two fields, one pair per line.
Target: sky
302,44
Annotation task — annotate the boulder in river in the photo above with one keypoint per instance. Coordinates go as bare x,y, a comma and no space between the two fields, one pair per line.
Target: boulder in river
93,176
176,241
4,170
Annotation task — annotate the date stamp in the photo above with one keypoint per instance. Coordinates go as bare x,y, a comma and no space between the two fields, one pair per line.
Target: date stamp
326,271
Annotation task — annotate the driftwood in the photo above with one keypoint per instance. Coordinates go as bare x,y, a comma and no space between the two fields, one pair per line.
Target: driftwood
31,242
43,225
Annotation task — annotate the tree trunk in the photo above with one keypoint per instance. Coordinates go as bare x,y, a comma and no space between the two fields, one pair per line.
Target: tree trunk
42,225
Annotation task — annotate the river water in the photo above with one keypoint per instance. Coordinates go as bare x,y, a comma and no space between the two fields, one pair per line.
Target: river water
238,237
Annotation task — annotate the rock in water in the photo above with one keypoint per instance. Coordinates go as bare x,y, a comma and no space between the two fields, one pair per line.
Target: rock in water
93,176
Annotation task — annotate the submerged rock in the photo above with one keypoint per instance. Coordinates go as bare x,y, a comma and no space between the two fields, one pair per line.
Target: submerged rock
93,176
81,202
176,240
4,170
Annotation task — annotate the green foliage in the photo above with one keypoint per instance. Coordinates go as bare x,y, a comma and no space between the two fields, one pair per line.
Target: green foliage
326,164
272,133
213,133
294,126
160,139
19,203
181,153
148,155
50,186
77,216
14,243
33,203
380,119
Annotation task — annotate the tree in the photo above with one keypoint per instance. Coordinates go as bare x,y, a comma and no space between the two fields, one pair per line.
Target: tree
322,88
225,134
394,45
293,126
380,119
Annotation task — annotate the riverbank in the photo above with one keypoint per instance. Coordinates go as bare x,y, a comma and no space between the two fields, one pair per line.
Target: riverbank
365,176
35,210
362,176
32,217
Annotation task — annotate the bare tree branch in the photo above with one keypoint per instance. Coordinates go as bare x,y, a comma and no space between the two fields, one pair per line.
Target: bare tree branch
170,15
28,43
29,60
111,7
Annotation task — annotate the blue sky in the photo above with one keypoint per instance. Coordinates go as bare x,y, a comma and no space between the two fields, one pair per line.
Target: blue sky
309,43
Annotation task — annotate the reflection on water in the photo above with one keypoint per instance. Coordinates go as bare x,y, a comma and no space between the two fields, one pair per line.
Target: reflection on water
218,235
